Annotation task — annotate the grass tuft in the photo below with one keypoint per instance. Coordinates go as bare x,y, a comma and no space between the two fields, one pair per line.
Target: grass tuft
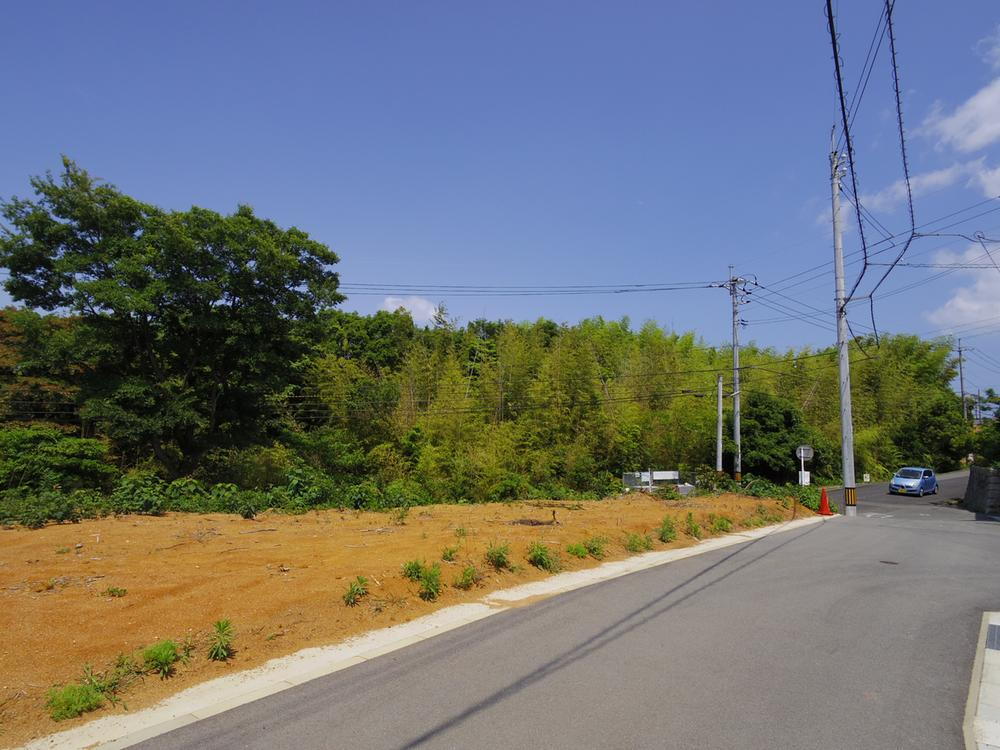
595,547
114,591
356,589
430,582
221,646
691,527
413,569
667,531
448,554
161,657
638,543
544,558
469,577
577,550
498,556
72,700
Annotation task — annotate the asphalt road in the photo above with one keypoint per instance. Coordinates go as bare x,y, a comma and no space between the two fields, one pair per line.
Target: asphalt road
857,633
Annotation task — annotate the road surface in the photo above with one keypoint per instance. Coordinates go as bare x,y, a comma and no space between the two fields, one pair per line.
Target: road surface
856,633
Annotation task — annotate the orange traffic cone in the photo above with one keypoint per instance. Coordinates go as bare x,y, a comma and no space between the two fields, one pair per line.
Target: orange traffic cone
824,504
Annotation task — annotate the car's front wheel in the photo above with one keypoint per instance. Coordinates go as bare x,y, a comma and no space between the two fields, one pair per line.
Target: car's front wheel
920,492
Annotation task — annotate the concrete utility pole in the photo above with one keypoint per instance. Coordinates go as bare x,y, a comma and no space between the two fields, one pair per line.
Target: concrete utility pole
738,453
961,382
846,420
718,427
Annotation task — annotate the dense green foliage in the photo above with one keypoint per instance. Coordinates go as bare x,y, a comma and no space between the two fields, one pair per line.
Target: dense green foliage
191,361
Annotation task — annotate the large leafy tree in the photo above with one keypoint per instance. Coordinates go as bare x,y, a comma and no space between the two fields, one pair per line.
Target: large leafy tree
188,317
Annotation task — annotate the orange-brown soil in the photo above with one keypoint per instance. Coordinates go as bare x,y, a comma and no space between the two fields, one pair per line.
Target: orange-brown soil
280,579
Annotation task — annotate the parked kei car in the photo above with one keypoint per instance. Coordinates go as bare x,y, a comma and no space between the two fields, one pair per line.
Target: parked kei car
914,480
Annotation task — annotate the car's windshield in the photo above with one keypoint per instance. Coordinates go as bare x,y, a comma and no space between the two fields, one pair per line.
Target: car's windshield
908,473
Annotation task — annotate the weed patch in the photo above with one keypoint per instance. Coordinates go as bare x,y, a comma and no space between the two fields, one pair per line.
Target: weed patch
221,646
161,657
413,569
720,524
638,543
691,527
448,554
356,589
667,531
469,577
72,700
596,546
430,582
577,550
498,556
544,558
114,591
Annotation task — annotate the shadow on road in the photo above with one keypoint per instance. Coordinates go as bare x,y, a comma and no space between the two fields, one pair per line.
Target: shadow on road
612,632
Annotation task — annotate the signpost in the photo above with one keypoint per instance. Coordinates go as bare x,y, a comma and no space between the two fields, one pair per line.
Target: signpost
804,453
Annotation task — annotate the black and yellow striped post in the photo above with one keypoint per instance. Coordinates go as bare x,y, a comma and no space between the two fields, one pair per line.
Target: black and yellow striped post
851,498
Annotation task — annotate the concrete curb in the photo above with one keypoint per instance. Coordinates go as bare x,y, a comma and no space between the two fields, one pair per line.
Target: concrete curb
224,693
982,711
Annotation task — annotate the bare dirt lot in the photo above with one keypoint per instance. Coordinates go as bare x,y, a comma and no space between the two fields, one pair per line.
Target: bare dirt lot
280,579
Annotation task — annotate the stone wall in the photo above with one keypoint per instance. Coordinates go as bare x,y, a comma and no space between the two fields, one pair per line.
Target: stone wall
982,493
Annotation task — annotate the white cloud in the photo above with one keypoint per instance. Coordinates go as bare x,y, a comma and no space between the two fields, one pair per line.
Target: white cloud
989,49
989,179
921,184
420,309
975,301
973,125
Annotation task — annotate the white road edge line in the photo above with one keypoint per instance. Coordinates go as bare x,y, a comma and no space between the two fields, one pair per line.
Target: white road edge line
223,693
982,709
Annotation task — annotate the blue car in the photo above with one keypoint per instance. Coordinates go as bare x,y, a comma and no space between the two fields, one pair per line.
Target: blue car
914,480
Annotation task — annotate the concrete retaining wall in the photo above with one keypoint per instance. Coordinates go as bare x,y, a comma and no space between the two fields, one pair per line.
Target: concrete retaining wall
982,493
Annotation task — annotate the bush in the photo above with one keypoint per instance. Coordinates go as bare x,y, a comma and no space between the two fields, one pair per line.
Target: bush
413,569
638,543
498,556
469,577
542,557
161,657
668,531
595,546
221,646
139,492
356,589
448,554
71,701
577,550
720,524
44,458
691,527
708,481
430,582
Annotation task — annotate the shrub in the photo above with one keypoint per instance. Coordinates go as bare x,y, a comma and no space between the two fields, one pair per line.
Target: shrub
72,700
114,591
638,542
448,554
161,657
667,492
668,531
720,524
498,555
430,582
139,492
708,481
356,589
542,557
413,569
221,646
577,550
595,546
469,577
43,458
691,527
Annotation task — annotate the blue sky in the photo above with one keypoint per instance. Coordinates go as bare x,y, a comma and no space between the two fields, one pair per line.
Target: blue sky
539,143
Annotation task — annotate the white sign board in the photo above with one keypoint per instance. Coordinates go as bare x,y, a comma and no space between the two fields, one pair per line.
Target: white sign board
803,478
804,452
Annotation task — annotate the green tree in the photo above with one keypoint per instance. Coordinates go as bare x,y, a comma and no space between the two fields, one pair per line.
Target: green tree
189,316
